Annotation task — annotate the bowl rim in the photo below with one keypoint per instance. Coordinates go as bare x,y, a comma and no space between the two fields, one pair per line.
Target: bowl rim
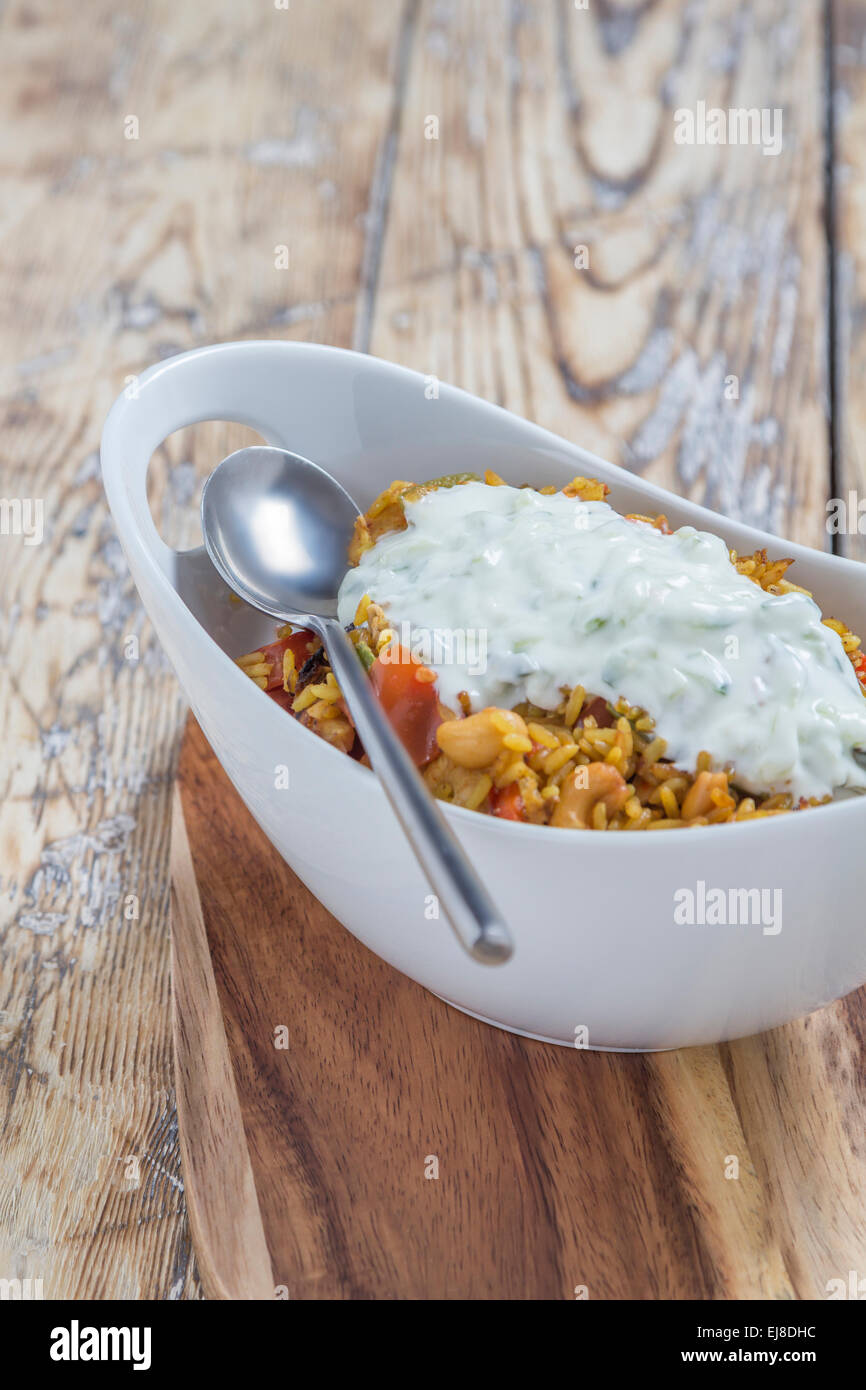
122,510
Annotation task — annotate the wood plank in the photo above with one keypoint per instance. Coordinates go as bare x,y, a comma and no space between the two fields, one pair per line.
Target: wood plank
708,1173
848,76
705,263
227,1226
257,128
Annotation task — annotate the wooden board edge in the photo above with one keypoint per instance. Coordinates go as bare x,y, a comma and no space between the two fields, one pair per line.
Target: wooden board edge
227,1228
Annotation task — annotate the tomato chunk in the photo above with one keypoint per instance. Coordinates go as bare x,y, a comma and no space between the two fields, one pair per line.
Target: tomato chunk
282,698
298,643
508,803
600,713
407,691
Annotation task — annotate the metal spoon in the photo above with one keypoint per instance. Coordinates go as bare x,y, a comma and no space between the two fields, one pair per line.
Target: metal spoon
277,528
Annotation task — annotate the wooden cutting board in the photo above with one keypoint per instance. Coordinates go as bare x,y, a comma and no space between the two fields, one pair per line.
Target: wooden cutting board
397,1149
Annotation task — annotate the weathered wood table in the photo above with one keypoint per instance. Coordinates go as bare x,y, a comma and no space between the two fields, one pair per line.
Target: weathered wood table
494,194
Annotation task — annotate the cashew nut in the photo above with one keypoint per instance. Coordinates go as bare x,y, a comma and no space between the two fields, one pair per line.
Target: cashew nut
477,740
583,789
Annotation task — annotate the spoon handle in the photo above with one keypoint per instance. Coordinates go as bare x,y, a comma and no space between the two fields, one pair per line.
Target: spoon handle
465,901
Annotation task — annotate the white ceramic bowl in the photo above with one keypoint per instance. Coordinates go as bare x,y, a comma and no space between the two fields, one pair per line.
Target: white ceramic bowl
597,946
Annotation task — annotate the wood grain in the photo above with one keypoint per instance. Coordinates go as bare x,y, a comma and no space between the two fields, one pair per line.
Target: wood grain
705,263
556,1168
257,129
225,1216
847,74
267,136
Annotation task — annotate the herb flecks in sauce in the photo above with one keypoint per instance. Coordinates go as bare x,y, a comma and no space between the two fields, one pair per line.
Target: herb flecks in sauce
566,592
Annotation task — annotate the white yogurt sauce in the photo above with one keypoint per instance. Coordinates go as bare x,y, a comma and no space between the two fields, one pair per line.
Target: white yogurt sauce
568,593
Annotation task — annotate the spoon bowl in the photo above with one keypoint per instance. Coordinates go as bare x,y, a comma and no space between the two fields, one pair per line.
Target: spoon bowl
277,528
